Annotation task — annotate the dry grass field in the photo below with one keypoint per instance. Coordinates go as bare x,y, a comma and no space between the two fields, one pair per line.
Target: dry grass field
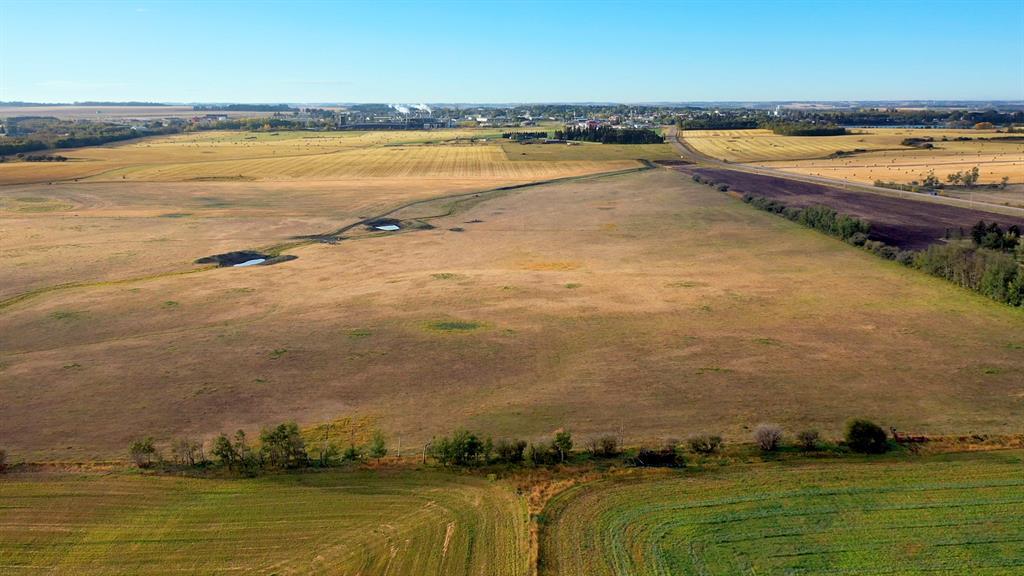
643,303
884,157
154,205
399,523
952,515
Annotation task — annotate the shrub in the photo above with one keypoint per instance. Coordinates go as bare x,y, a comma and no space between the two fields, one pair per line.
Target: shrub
143,452
808,440
562,443
705,443
378,445
866,437
510,451
3,461
462,449
352,454
540,454
605,447
283,446
667,456
768,437
723,187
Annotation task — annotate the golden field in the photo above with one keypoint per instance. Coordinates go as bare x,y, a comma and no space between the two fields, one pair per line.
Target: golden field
884,158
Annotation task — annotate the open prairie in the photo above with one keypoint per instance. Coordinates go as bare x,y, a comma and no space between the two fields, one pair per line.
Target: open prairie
641,303
155,205
876,153
957,514
338,523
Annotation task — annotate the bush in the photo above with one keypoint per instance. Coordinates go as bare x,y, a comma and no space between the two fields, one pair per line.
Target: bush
510,451
605,447
143,452
723,187
462,449
768,437
3,461
540,454
866,437
667,456
705,443
808,440
283,446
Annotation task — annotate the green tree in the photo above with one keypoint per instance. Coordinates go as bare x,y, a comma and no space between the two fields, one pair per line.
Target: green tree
378,445
563,443
866,437
143,452
283,446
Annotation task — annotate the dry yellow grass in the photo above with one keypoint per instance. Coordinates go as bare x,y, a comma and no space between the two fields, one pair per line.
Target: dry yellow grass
644,303
886,159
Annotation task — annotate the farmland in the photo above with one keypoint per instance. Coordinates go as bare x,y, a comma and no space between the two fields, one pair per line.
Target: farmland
348,523
954,514
880,154
154,205
537,308
908,224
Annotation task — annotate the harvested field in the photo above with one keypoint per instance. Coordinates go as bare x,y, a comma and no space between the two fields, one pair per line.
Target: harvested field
689,311
870,153
907,224
340,523
954,515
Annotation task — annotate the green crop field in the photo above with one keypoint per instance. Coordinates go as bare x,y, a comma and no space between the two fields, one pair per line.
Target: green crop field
955,514
337,523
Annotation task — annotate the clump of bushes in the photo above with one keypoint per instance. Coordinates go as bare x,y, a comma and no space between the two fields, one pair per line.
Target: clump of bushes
705,443
768,437
866,437
143,452
808,440
3,461
604,447
668,456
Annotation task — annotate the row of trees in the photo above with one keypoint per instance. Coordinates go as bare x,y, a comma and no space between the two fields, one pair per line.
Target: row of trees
280,447
517,136
610,135
283,447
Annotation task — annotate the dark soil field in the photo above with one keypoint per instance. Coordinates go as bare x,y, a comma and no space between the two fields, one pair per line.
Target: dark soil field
907,224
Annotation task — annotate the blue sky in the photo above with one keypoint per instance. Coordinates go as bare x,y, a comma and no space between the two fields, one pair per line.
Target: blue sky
510,51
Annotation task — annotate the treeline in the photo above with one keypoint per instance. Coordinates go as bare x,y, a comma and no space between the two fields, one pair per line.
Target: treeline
989,260
517,136
30,134
610,135
723,123
243,108
804,129
285,447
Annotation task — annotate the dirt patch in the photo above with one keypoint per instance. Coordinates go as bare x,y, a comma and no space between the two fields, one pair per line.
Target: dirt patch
905,223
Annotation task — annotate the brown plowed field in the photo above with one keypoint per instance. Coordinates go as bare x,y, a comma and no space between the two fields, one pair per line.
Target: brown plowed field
908,224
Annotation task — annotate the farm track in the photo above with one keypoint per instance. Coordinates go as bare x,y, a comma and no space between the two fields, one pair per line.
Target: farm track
457,201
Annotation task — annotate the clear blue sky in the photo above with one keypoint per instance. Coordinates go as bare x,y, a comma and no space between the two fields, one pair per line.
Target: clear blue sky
510,51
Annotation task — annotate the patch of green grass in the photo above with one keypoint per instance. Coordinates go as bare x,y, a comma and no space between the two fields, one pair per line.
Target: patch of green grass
454,326
359,333
572,285
445,276
768,341
277,353
934,515
169,305
66,315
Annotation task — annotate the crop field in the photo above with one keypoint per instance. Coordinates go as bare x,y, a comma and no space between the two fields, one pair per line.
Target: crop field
587,151
538,308
338,523
905,223
883,157
951,515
